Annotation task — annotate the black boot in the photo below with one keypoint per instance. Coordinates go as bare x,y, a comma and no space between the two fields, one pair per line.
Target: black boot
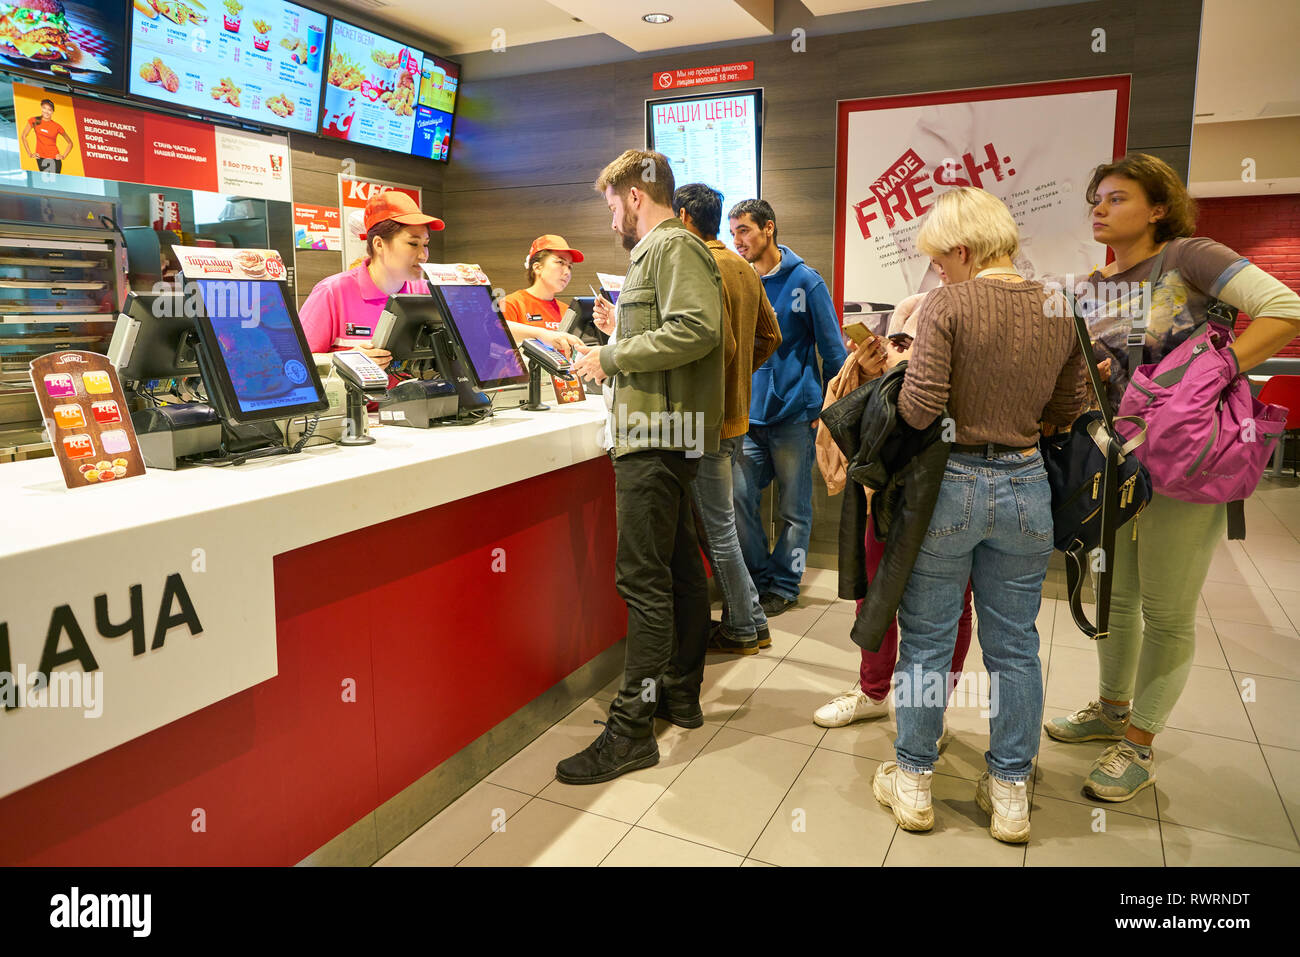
607,757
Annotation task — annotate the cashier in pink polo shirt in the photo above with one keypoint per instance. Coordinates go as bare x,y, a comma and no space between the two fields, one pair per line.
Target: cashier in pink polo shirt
343,309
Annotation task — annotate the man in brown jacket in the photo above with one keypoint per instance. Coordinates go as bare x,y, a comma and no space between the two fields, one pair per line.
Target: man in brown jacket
750,334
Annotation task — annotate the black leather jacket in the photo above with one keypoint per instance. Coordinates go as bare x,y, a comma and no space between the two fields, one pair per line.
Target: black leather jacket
904,467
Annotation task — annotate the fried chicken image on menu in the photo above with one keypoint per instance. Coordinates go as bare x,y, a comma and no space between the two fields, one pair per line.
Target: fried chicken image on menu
156,71
401,100
226,90
281,105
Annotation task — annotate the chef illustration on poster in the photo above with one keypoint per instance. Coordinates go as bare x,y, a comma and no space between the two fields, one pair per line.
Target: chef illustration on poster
896,156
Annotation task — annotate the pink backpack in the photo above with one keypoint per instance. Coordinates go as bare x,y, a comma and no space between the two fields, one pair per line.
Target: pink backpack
1208,438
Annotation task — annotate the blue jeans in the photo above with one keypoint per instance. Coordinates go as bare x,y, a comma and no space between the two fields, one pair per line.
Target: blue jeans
993,525
711,491
784,452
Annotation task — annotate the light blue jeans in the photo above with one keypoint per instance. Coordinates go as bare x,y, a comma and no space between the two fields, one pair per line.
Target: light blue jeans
784,452
742,615
992,525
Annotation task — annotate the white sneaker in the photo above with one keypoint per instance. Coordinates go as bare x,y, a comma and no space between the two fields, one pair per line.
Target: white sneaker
907,794
1008,805
846,708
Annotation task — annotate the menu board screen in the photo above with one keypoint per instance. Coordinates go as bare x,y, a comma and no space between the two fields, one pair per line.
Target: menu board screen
257,60
81,42
715,139
370,89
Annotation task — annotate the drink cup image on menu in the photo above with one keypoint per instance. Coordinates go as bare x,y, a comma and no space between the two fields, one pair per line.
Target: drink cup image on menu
315,39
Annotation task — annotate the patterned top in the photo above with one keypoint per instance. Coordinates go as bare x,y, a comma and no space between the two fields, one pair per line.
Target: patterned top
1193,275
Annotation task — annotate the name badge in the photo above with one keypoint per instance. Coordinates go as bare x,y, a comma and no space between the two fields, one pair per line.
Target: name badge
352,329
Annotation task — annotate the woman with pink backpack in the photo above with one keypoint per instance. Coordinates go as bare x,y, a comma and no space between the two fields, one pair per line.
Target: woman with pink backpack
1142,211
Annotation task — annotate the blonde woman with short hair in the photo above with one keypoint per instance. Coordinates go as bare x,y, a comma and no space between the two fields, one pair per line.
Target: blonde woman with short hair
994,354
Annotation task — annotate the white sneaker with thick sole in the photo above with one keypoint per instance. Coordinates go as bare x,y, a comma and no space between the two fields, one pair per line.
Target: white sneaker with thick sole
907,794
846,708
1008,805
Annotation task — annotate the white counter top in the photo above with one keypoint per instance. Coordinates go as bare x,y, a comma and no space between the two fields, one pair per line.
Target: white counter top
193,550
334,489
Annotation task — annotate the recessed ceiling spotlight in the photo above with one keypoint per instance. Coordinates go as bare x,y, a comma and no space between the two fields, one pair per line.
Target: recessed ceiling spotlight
657,17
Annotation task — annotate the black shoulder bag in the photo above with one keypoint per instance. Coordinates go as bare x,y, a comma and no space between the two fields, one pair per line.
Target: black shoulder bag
1098,485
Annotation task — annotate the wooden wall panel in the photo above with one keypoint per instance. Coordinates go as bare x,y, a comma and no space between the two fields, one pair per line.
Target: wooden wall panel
528,147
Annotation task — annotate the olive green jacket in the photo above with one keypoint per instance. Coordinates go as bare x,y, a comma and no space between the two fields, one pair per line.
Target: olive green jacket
666,363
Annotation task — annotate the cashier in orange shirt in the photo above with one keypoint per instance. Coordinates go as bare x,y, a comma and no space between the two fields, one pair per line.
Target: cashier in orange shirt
550,267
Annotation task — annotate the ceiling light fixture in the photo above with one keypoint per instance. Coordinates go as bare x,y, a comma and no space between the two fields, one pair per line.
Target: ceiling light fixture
657,17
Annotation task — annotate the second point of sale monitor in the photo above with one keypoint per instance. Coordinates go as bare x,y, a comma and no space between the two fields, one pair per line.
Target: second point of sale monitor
263,367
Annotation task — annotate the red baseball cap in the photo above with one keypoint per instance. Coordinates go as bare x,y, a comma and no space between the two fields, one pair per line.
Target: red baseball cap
396,205
555,244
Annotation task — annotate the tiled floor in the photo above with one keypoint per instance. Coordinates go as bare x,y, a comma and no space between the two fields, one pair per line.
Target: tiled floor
760,784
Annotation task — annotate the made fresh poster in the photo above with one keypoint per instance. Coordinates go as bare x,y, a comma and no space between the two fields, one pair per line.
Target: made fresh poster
75,136
895,154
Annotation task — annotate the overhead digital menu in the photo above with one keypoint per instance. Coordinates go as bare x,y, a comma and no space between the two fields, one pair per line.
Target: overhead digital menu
711,139
370,89
258,60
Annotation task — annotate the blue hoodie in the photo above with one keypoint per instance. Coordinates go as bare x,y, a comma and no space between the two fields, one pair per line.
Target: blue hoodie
786,387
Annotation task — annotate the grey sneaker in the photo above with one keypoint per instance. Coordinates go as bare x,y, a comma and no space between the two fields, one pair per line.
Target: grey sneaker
1089,724
1120,773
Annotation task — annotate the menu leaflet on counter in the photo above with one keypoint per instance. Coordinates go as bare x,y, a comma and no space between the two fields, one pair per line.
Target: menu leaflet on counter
87,416
258,60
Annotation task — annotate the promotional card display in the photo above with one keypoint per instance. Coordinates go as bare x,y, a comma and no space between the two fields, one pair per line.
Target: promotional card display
258,60
455,274
201,262
612,284
713,139
88,419
76,136
84,42
316,227
371,89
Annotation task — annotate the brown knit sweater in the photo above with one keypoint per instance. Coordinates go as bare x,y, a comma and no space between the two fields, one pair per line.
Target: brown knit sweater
750,333
1000,357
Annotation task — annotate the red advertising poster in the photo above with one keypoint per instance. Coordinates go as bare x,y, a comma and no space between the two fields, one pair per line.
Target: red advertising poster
316,227
703,75
73,136
353,195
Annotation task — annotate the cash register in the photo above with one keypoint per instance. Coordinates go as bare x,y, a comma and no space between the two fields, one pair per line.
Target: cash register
236,362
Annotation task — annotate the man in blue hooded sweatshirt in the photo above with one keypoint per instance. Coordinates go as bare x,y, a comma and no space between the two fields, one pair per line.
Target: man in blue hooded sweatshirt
786,400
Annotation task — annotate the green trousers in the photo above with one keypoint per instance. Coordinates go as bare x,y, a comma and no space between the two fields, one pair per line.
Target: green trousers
1158,578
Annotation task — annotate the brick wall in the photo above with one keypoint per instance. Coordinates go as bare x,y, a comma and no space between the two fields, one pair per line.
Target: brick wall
1264,229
